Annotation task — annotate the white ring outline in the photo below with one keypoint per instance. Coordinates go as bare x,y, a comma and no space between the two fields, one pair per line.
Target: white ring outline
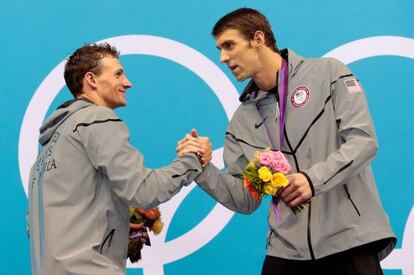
347,53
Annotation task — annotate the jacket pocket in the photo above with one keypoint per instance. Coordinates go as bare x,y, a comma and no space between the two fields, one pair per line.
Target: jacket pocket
106,243
350,199
269,236
113,245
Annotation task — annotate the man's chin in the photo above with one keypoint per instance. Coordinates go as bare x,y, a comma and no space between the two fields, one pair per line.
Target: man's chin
123,104
240,78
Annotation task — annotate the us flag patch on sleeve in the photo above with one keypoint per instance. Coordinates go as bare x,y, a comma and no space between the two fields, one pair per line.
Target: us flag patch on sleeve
352,85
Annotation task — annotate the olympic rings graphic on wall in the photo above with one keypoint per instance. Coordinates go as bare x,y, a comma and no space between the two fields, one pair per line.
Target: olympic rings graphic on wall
227,94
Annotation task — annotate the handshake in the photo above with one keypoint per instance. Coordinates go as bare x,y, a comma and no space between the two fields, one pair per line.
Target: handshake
192,143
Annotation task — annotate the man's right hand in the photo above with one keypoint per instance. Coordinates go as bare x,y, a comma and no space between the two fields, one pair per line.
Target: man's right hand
192,143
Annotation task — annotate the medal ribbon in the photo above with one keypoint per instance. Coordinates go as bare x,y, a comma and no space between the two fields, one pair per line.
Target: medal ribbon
282,90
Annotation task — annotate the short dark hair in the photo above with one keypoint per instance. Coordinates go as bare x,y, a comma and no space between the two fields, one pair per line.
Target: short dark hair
247,21
83,60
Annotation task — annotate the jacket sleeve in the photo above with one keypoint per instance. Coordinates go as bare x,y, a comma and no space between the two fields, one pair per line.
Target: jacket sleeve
227,187
356,135
110,152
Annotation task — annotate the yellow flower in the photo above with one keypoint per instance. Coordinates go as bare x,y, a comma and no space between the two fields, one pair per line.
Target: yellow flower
157,226
265,174
279,180
270,189
251,165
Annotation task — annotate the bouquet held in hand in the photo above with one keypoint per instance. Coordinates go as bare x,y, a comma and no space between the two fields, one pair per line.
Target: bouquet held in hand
141,220
265,175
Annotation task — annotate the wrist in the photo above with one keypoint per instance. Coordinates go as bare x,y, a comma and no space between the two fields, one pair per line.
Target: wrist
200,159
309,182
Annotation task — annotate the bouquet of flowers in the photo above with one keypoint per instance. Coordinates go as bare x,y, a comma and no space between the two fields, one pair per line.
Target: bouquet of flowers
141,220
265,175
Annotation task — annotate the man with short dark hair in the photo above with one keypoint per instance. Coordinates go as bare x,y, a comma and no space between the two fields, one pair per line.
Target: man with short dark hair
315,112
87,173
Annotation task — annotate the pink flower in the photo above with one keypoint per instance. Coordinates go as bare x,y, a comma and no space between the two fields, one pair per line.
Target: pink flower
266,159
276,161
280,163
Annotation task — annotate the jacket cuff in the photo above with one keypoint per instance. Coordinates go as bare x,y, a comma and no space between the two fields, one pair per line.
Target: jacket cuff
203,176
310,183
190,168
200,160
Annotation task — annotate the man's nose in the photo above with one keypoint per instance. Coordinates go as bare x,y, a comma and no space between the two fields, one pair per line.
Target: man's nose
126,83
224,58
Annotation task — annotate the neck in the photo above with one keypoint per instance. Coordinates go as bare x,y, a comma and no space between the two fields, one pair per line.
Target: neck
266,78
84,96
90,97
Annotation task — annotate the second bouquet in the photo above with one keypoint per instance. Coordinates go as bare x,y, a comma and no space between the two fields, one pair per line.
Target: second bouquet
266,174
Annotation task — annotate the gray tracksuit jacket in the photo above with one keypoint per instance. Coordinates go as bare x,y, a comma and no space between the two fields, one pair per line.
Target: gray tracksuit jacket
329,137
85,178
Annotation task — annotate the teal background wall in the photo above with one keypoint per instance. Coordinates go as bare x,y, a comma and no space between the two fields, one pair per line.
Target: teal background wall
168,99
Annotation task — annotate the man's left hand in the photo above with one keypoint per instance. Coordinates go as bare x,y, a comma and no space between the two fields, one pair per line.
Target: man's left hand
298,190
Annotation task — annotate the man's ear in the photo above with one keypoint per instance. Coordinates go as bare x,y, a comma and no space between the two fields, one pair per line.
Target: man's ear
258,39
90,79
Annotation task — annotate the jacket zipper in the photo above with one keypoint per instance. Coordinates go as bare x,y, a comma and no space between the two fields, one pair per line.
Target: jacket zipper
308,231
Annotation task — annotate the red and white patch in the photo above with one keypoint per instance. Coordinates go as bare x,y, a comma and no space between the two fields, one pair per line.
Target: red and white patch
352,85
300,96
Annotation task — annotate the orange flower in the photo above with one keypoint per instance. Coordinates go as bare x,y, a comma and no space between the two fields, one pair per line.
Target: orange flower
255,194
150,214
246,182
250,188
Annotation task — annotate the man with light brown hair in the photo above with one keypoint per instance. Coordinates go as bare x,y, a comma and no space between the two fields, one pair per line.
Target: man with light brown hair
87,173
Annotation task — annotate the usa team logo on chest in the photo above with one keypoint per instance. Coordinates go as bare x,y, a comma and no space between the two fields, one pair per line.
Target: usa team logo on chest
300,96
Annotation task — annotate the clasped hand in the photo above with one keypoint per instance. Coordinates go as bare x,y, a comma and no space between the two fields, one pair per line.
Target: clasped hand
192,143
